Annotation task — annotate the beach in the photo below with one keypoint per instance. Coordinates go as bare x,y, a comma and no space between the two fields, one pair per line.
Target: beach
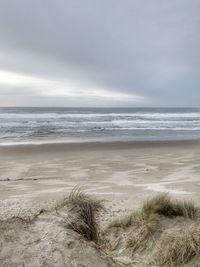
123,172
36,178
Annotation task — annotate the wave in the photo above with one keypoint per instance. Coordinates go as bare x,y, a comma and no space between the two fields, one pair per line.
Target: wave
93,115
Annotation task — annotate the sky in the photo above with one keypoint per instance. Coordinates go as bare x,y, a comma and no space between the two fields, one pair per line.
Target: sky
100,53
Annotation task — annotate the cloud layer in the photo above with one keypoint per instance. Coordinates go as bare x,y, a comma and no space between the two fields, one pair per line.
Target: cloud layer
100,53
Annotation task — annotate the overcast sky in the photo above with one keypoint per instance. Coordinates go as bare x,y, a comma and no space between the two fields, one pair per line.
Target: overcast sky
100,53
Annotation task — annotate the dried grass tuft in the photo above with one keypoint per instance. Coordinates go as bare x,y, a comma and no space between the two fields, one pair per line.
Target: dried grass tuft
143,228
123,221
177,247
162,204
84,211
138,218
139,227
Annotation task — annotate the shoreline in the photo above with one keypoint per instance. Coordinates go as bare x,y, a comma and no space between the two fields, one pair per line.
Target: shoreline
100,145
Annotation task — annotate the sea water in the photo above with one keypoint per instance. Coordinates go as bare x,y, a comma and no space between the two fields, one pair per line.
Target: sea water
69,125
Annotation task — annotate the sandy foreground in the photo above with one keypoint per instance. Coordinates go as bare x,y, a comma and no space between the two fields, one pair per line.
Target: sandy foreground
123,174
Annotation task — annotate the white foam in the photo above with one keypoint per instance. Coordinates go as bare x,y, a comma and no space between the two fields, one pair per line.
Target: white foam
91,115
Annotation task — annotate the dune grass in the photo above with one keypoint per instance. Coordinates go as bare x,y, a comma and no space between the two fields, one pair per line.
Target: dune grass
143,225
151,235
164,205
137,218
138,238
137,228
140,231
161,204
177,247
83,215
123,221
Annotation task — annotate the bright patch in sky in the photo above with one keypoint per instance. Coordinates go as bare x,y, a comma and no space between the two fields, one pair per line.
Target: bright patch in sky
65,88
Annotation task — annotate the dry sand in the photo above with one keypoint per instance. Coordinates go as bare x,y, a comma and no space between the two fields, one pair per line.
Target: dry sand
124,174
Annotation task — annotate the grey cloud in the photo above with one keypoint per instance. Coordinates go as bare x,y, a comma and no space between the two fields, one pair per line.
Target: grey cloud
148,48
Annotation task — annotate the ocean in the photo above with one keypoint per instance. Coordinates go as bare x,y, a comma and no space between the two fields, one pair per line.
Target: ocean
70,125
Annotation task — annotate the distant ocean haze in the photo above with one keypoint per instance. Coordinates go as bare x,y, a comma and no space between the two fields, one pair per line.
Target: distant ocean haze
69,125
